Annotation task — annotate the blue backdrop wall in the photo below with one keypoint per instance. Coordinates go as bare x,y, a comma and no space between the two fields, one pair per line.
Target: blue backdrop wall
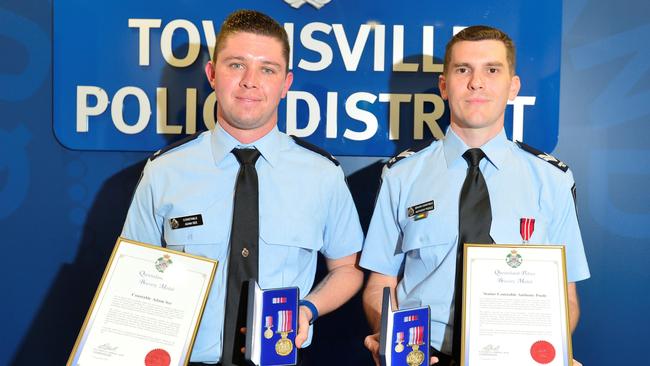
61,209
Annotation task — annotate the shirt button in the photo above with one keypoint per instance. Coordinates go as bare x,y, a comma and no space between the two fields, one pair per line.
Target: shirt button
244,252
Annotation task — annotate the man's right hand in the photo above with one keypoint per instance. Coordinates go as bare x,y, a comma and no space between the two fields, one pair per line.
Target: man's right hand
372,344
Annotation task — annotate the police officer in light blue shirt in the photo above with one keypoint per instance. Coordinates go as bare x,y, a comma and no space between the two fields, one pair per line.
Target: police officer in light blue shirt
305,206
416,254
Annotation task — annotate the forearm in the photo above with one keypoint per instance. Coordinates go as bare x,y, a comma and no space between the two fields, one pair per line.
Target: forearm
574,306
343,280
372,297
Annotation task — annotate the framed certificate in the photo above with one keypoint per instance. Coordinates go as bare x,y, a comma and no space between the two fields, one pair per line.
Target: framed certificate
515,309
146,309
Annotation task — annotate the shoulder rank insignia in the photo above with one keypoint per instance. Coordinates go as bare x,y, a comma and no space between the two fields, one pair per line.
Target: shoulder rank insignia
316,149
544,156
408,152
174,145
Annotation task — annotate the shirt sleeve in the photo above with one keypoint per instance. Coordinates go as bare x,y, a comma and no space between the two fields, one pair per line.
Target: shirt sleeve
565,230
342,235
382,248
142,222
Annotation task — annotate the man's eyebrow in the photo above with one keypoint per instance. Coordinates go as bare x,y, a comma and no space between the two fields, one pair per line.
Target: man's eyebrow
231,58
460,64
272,63
488,64
242,59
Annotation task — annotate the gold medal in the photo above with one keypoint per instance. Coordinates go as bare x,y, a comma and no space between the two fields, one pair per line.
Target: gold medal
284,346
268,333
399,347
415,357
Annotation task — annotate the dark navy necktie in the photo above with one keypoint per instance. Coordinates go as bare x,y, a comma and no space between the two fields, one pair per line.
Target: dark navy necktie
475,219
244,254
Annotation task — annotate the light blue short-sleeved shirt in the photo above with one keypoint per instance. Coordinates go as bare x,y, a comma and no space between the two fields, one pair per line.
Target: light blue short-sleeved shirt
304,203
422,252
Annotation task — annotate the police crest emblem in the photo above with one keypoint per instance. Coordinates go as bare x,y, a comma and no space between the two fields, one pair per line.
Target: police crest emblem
513,259
315,3
163,262
174,223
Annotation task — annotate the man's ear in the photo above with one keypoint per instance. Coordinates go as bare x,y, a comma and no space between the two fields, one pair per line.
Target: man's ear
515,85
209,72
442,85
287,83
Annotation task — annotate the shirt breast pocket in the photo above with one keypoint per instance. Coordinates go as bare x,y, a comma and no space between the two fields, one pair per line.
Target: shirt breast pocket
288,253
427,246
208,240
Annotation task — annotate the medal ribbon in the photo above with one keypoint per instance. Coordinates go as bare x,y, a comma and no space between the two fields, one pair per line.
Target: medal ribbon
400,337
526,228
410,318
284,320
279,300
416,335
269,321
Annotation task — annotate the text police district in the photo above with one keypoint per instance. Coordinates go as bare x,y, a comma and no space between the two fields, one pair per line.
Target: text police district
93,101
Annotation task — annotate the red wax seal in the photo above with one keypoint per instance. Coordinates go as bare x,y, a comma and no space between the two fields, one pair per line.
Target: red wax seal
157,357
542,352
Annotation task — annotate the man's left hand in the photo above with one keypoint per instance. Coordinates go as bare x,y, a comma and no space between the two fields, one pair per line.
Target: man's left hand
303,325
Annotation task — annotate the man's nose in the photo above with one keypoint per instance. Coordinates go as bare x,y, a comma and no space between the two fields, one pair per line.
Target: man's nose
249,79
476,82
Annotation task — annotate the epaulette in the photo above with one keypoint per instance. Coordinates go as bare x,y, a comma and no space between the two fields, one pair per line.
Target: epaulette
316,149
544,156
174,145
410,151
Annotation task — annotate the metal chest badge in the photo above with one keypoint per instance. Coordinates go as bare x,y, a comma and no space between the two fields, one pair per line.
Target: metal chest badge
174,223
526,228
284,346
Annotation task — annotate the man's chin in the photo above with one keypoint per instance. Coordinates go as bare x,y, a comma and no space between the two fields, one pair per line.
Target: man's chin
247,124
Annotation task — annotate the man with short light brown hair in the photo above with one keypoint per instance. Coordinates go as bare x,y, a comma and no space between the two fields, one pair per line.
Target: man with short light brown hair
417,256
304,204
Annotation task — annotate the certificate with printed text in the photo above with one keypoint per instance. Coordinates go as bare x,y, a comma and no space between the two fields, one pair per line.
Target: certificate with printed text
515,309
146,309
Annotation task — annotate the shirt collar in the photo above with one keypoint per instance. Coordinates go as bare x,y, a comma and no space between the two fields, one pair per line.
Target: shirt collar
495,150
222,143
